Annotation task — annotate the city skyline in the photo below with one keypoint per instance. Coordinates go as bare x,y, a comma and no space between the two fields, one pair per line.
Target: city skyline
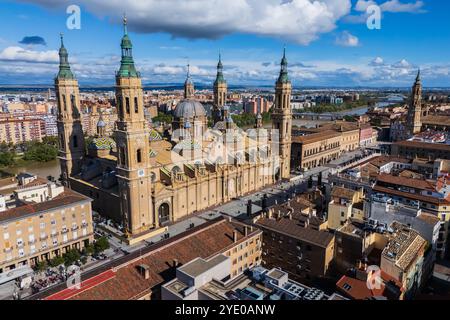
328,43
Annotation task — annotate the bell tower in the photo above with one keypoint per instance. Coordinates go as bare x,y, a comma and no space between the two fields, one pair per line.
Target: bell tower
414,123
220,93
282,118
132,138
70,132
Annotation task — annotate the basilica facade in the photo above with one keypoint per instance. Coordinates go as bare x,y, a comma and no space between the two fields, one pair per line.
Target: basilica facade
145,179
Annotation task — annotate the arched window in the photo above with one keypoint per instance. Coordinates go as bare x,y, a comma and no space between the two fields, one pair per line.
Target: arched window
136,106
64,102
120,106
139,155
75,141
122,156
73,101
127,104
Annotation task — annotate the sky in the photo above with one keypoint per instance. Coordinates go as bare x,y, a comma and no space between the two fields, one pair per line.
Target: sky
328,42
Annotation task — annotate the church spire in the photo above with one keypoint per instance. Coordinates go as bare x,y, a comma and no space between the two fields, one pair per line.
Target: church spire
283,77
418,76
64,66
127,68
188,85
219,76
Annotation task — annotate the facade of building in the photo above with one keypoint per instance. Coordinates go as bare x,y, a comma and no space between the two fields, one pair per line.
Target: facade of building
424,150
21,128
41,221
315,149
145,181
345,204
305,253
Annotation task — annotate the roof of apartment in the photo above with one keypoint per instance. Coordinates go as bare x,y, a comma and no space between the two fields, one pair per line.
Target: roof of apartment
439,120
359,290
68,197
340,192
403,248
429,218
293,229
424,145
315,137
407,182
412,196
128,282
383,160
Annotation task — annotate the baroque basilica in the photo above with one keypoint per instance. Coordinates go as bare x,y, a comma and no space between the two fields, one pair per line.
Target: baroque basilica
144,179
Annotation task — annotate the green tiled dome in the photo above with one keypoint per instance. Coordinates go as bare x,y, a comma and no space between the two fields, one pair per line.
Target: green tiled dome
102,143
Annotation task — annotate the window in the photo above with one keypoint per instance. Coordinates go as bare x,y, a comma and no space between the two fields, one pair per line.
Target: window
127,104
346,286
139,155
73,102
136,106
64,102
120,106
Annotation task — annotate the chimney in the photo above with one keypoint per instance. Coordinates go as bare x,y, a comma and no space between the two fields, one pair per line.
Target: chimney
245,231
145,271
234,236
175,263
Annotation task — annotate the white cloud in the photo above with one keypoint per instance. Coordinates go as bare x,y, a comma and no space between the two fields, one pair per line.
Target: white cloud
393,6
378,61
397,6
346,39
15,53
300,21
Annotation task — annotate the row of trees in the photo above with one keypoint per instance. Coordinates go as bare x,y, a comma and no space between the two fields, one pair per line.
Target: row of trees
73,255
44,151
249,119
323,108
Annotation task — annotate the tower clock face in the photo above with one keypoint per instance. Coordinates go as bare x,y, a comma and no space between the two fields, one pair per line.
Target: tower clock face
141,172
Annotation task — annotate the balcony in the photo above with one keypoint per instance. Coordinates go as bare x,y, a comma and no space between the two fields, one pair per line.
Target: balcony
8,250
43,238
75,228
32,241
64,231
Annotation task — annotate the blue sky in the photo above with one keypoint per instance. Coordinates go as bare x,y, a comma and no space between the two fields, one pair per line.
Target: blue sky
328,42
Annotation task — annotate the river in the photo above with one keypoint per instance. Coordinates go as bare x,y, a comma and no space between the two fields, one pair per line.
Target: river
42,169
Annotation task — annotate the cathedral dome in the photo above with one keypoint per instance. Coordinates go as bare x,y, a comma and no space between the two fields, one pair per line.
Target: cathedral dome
189,108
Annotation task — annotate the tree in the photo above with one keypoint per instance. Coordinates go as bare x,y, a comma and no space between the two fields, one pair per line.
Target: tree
41,266
71,256
56,261
89,250
7,158
41,152
101,244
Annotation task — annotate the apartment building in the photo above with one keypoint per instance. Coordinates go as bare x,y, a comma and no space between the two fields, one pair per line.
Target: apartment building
425,150
425,194
18,129
141,276
315,149
210,280
304,252
345,204
42,220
